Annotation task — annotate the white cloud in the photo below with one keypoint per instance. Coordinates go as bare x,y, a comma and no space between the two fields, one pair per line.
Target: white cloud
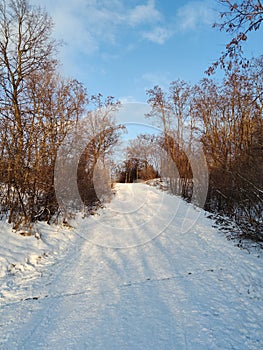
195,14
127,99
158,35
144,14
132,113
74,34
87,24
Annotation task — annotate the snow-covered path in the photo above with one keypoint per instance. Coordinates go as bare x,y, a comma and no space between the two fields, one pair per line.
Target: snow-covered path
148,272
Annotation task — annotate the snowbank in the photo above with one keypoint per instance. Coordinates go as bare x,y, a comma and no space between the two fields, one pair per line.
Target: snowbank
22,254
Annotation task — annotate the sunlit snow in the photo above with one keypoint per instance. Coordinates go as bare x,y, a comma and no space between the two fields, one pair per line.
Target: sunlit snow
147,272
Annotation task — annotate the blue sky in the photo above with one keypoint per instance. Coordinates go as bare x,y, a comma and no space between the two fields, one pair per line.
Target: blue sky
121,48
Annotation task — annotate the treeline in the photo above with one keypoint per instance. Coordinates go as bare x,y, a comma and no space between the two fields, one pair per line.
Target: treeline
141,160
38,107
226,118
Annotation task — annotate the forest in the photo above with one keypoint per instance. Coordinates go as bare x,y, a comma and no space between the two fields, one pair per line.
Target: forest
40,110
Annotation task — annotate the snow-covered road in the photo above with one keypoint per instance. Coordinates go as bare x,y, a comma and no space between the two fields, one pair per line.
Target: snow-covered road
147,272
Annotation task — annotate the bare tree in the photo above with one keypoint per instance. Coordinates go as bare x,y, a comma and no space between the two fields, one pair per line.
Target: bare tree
25,48
37,108
231,115
143,157
237,19
56,105
171,110
227,119
100,133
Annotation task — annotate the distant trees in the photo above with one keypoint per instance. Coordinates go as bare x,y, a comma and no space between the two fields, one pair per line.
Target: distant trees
238,19
142,159
171,111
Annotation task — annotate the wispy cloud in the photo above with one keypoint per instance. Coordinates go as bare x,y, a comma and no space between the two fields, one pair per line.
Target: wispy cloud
127,99
158,35
86,25
195,14
144,14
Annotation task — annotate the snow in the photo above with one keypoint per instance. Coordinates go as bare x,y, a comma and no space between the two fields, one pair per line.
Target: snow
23,257
147,272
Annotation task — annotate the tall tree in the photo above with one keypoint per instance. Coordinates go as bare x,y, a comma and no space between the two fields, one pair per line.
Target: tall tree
26,47
231,126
